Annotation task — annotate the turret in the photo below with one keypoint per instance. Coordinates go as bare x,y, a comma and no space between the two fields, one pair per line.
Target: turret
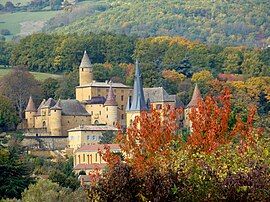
196,98
137,104
85,70
111,108
56,119
30,113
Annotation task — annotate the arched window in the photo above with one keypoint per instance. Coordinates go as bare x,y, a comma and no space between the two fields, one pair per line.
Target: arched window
44,124
96,122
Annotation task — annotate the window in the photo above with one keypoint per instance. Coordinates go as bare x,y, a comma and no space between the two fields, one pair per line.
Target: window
83,157
82,69
122,97
122,116
106,108
88,137
122,107
99,112
107,116
93,137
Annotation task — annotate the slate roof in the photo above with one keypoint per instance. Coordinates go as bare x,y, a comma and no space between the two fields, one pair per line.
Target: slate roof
73,108
110,100
85,61
40,106
158,95
94,128
31,105
138,101
96,100
57,106
98,147
196,97
93,166
49,103
104,85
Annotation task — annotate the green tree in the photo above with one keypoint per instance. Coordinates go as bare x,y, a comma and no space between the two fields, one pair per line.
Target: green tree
107,137
8,116
49,86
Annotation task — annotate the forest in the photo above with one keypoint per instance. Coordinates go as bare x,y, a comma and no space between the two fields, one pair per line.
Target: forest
212,21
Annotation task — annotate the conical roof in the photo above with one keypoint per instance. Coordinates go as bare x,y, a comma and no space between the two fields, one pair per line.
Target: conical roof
110,101
138,101
85,61
196,97
31,105
57,106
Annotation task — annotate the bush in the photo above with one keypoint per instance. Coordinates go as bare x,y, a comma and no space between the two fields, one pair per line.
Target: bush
5,32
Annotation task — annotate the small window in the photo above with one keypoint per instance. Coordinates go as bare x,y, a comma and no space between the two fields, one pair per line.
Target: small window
82,69
122,107
96,157
83,157
107,116
93,137
106,108
122,116
122,97
99,112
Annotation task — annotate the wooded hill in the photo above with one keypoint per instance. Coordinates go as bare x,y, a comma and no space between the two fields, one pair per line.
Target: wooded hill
223,22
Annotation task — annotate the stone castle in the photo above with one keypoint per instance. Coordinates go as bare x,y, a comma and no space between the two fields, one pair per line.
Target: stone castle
98,103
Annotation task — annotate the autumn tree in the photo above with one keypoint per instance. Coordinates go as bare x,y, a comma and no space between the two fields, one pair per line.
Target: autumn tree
213,124
18,85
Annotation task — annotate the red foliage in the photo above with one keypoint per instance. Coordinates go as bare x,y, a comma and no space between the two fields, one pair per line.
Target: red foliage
211,124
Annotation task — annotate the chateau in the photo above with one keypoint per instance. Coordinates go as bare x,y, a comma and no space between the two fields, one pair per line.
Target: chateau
96,103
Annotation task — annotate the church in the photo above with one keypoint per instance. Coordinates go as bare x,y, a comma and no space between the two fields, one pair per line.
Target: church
96,103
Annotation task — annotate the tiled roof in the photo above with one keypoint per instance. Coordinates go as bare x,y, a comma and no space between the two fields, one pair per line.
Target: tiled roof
85,61
110,101
57,106
104,85
31,106
97,147
49,103
196,97
94,128
92,166
73,108
40,106
138,101
158,95
96,100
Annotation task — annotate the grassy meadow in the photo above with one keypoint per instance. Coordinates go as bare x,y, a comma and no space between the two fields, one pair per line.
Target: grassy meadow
38,75
11,21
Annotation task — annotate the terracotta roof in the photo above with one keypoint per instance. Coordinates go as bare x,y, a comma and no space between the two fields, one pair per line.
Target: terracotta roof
31,106
110,101
92,166
230,77
97,147
49,103
196,97
40,106
96,100
85,61
94,128
57,106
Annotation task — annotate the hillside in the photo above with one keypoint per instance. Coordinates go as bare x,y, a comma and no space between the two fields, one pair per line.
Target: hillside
212,21
38,75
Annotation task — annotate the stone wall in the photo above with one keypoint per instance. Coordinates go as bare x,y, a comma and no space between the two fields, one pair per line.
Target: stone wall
46,142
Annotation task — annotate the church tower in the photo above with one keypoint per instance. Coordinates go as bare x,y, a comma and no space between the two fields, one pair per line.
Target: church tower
56,119
196,97
30,113
111,108
85,70
137,104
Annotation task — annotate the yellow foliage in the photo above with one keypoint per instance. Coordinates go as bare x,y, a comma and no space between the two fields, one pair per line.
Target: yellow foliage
202,76
172,75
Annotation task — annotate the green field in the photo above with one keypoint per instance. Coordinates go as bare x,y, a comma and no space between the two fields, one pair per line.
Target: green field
15,2
39,76
11,21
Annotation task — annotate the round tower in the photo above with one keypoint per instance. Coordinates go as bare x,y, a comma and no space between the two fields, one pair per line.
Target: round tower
85,70
111,108
56,119
30,113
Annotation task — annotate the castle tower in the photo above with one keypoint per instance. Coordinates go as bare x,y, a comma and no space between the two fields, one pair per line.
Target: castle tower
56,119
111,108
196,97
30,113
85,70
137,104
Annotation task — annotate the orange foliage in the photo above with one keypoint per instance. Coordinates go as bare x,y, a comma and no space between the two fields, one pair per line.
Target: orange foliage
148,138
212,124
